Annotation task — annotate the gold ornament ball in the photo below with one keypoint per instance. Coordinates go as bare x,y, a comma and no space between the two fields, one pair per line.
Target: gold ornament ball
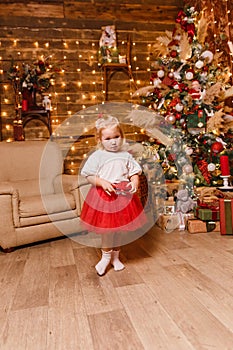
167,102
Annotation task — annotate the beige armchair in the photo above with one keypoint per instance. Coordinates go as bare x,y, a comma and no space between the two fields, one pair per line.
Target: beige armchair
37,200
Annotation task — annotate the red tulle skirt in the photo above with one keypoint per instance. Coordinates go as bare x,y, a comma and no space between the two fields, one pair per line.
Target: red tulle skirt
122,211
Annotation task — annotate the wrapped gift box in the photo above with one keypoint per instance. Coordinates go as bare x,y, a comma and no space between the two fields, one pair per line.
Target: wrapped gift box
207,195
168,222
226,216
206,214
198,226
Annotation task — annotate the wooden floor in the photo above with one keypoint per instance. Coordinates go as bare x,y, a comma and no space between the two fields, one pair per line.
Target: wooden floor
175,293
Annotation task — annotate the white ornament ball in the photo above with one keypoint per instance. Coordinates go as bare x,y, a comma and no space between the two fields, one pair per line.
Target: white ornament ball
160,73
182,120
204,74
171,119
157,82
199,64
187,169
189,75
189,151
179,107
211,167
208,55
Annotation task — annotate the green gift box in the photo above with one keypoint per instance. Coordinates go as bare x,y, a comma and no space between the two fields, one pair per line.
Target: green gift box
206,214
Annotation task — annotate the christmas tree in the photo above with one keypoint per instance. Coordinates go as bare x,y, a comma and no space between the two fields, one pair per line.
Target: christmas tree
190,87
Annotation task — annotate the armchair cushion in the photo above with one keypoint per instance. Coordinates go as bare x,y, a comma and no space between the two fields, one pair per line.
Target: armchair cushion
54,203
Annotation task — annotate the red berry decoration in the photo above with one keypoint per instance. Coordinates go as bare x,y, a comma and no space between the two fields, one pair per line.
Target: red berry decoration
173,53
217,147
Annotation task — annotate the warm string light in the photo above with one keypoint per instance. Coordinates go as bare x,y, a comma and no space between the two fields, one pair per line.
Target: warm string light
79,56
132,81
94,94
94,82
54,104
63,83
136,67
65,46
214,27
1,70
137,81
102,85
222,27
5,101
148,58
228,31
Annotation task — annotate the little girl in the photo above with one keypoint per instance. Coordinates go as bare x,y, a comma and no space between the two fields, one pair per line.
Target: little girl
112,207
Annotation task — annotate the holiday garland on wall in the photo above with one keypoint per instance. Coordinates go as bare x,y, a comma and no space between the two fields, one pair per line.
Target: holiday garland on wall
190,87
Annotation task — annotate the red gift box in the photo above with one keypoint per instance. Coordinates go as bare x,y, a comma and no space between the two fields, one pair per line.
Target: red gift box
226,216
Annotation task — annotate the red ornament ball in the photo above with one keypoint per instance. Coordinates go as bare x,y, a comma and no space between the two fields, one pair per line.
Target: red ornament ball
217,147
173,53
184,126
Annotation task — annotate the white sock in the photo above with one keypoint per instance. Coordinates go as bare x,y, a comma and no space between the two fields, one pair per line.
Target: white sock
117,264
103,263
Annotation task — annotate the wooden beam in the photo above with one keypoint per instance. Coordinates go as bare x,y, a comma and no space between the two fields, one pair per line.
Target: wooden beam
22,9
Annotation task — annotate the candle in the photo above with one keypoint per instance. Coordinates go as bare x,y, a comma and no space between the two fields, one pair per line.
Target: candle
224,162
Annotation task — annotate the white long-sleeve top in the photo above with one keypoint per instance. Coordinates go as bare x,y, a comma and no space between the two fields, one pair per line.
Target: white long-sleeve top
114,167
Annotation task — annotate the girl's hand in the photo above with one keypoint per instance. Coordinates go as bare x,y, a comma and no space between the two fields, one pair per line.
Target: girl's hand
107,186
97,181
134,182
132,186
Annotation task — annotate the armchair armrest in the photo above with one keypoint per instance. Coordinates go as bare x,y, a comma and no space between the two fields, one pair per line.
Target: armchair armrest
9,215
6,188
74,184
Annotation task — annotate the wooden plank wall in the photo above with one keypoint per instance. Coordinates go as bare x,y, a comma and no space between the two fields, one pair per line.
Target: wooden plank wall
69,31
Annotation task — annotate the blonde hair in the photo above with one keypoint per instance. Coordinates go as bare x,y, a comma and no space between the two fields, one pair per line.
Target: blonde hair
104,123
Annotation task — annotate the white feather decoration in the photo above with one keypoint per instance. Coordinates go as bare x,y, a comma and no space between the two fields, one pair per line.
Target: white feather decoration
150,121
